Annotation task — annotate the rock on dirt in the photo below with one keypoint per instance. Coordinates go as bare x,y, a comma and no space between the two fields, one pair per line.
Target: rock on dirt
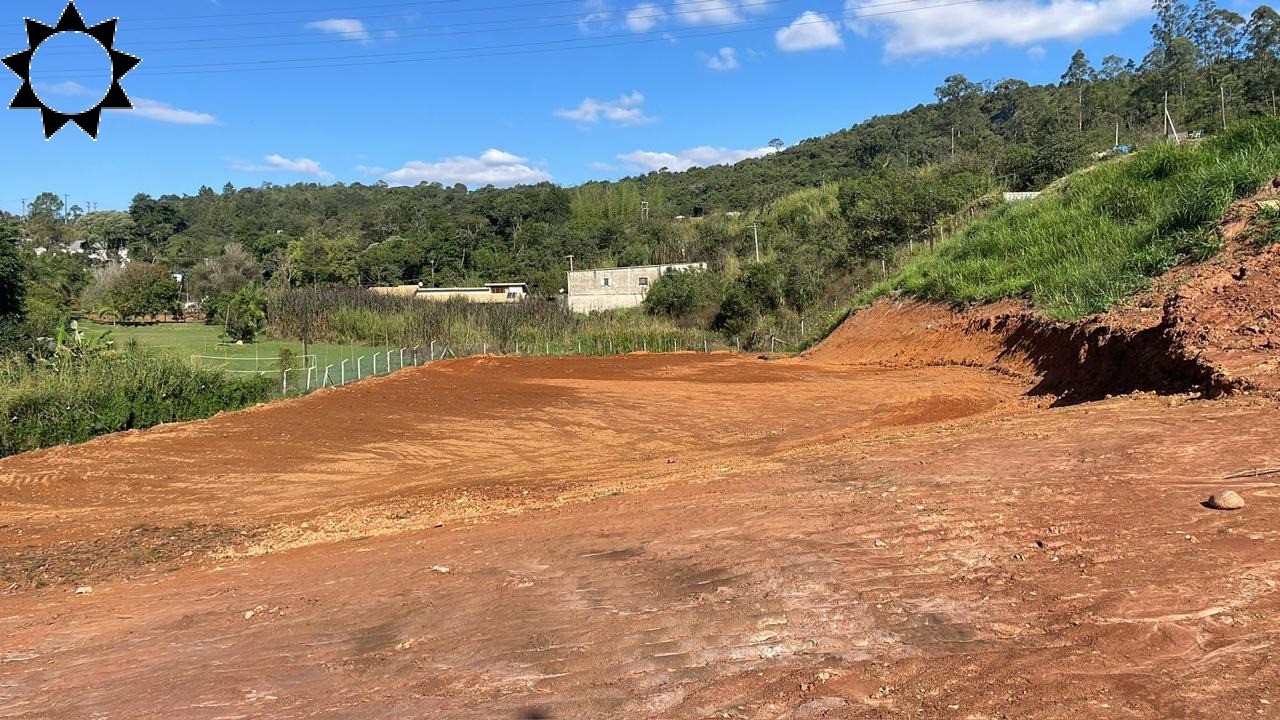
1226,500
85,590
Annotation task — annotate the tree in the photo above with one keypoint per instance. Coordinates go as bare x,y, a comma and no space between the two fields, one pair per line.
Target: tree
880,212
106,233
245,315
142,289
777,144
12,287
226,274
1078,75
680,294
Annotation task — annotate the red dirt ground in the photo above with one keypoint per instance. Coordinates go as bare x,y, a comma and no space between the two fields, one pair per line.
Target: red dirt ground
674,536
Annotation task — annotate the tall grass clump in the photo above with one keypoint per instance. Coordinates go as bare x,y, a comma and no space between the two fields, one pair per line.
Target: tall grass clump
359,317
1102,234
75,396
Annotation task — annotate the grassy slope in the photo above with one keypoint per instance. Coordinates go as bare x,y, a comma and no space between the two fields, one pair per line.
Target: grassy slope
1102,234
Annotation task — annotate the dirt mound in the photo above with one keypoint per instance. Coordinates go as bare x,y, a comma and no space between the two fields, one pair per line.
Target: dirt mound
1211,328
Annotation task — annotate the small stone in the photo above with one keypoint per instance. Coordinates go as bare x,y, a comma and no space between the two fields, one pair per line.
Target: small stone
86,590
248,614
442,569
1226,500
881,544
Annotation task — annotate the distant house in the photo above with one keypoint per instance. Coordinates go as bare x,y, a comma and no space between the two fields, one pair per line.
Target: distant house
490,293
397,291
617,288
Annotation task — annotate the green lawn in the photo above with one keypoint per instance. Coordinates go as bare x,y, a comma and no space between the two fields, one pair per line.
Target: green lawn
202,345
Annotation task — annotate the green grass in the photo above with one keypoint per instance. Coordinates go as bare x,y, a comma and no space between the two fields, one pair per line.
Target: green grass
202,344
1102,234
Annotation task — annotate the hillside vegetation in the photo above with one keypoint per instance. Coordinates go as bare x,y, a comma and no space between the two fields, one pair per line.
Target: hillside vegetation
1099,235
826,209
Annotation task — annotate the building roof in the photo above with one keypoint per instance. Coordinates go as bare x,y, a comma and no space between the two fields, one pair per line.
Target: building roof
644,267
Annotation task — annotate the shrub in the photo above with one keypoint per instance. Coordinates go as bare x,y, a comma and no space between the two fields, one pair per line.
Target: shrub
76,396
681,294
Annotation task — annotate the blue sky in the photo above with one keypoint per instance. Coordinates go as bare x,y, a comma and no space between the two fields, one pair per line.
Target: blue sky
285,91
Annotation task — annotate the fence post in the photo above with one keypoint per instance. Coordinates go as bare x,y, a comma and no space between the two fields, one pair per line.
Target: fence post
328,377
309,372
610,346
284,386
579,346
388,362
360,368
484,348
417,351
433,351
344,372
402,357
705,348
548,348
646,344
375,364
738,342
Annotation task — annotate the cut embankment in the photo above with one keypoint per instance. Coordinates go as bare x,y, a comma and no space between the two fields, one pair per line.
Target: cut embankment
1075,362
1209,327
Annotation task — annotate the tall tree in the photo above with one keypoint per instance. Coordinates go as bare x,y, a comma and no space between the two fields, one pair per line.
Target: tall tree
1078,76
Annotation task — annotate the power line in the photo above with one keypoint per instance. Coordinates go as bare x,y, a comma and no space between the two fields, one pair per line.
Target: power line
519,23
710,5
365,60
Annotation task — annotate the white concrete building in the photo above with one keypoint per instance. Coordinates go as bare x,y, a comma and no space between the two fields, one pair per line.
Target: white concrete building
618,288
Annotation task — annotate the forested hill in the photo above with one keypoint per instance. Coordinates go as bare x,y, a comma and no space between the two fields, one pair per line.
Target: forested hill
894,176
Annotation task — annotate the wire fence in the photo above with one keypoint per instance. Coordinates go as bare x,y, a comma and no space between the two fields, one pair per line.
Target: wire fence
308,376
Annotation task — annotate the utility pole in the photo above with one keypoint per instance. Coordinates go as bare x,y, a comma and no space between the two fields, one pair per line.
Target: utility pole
755,233
953,141
1117,136
1166,114
66,209
1223,91
24,208
570,259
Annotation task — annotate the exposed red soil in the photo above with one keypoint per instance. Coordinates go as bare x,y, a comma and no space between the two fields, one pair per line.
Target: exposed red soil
652,537
897,525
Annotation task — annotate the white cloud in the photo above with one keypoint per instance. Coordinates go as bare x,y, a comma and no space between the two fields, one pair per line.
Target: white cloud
347,28
716,12
726,59
1036,53
142,107
645,17
165,113
932,29
279,163
597,17
494,167
603,167
810,31
704,156
626,110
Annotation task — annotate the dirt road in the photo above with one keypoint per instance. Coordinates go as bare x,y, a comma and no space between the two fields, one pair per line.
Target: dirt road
651,537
